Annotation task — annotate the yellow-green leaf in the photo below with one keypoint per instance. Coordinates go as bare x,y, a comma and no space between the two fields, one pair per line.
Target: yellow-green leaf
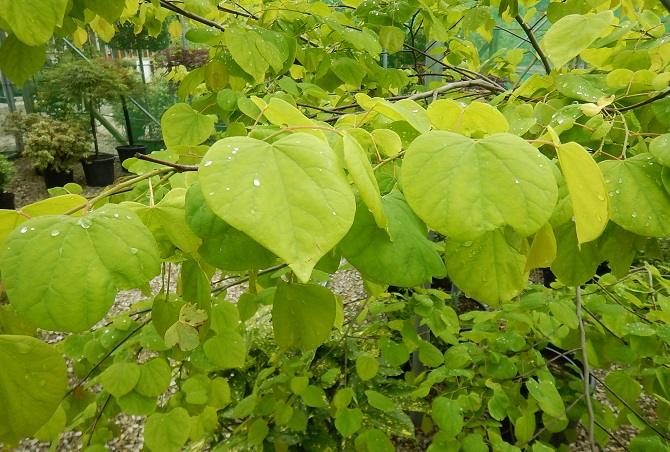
587,189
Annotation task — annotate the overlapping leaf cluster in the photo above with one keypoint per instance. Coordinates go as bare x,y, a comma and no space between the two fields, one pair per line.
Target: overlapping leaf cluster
328,153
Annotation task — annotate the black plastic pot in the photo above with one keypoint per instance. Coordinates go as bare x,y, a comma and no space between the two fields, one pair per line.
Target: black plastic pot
128,151
99,170
53,178
7,200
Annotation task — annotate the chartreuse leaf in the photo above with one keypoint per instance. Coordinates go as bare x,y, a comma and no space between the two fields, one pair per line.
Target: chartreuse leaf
302,315
120,378
367,367
110,10
33,22
281,113
155,377
360,171
223,246
464,188
242,45
391,39
54,206
348,421
166,222
587,189
547,397
181,124
380,401
226,350
374,252
562,44
19,61
33,380
290,196
9,220
387,142
659,148
640,203
448,415
474,120
167,432
573,265
403,110
491,269
109,249
543,249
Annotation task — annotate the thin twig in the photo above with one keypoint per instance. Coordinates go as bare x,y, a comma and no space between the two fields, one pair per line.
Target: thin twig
659,96
177,166
627,405
172,7
534,43
586,375
554,420
97,419
108,354
246,278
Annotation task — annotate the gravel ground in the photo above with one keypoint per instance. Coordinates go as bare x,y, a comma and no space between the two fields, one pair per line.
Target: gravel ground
29,187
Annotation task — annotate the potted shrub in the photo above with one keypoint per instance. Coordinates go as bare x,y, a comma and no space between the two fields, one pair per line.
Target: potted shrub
81,87
7,173
53,147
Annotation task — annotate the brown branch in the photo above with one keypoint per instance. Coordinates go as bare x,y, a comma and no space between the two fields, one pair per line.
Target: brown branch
659,96
237,13
177,166
534,43
172,7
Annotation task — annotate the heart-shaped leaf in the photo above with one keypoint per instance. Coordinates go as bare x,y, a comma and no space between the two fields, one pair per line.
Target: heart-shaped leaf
302,315
33,380
491,269
290,196
464,188
375,251
105,251
181,124
167,432
222,245
639,201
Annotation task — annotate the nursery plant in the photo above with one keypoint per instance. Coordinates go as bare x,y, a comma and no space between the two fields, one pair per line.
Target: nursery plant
7,174
79,87
549,153
52,146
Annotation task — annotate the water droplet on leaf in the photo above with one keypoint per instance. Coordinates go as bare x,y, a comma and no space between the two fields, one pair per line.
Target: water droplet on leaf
257,183
208,162
55,232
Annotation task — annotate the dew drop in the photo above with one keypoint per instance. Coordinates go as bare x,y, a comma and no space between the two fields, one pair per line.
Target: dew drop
252,212
257,183
230,158
600,219
572,219
620,180
128,217
116,215
611,193
133,250
84,223
32,229
42,383
208,162
211,193
607,181
334,213
227,188
600,197
24,230
634,214
517,181
617,191
235,150
55,232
